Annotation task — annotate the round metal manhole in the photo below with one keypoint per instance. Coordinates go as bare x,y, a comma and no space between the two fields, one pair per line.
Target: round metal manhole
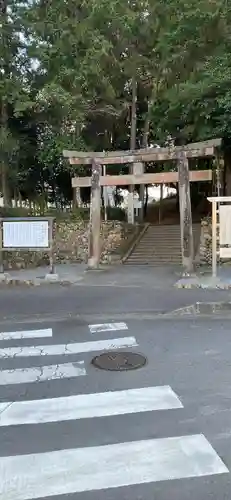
119,361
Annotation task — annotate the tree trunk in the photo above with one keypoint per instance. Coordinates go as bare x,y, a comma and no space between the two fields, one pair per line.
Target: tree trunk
146,200
4,111
74,199
4,180
145,137
146,129
15,198
133,123
20,199
133,114
227,172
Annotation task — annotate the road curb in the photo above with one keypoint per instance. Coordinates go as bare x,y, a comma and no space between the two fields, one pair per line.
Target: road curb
211,284
8,281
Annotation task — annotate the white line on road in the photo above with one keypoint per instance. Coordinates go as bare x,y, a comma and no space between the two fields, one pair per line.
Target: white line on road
3,406
27,477
26,334
62,349
42,373
105,327
90,406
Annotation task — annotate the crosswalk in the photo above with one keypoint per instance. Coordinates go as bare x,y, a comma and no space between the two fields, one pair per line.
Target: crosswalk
27,476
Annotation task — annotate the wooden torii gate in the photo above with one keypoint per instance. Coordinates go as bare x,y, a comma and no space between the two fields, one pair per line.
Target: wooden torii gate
178,154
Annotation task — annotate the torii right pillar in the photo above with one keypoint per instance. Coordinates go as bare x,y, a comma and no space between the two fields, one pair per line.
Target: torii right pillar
186,231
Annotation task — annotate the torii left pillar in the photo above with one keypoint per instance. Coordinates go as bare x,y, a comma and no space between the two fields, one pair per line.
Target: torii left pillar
187,246
94,248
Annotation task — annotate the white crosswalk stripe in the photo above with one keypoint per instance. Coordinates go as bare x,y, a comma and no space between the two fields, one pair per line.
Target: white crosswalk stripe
90,406
70,471
42,373
106,327
65,349
26,334
65,471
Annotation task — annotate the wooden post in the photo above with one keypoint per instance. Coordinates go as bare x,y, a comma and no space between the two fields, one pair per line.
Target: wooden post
94,229
51,244
187,247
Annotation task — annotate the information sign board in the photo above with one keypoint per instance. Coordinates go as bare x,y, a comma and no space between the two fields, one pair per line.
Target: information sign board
26,234
225,231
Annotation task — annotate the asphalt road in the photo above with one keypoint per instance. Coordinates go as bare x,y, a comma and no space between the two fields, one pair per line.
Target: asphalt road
164,432
86,301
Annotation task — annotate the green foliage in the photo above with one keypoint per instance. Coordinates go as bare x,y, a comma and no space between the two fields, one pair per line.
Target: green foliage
199,106
14,212
76,214
66,83
116,213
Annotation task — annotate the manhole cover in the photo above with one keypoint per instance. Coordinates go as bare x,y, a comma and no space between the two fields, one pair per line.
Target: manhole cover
119,361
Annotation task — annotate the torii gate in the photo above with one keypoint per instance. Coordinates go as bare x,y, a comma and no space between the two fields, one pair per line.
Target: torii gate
180,154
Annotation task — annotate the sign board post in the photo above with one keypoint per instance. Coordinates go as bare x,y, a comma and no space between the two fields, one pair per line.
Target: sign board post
221,229
26,233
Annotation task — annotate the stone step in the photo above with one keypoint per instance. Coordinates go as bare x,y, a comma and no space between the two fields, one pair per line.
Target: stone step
154,264
156,250
155,255
160,245
155,259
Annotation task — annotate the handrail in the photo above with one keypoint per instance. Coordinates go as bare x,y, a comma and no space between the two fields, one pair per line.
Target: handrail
135,242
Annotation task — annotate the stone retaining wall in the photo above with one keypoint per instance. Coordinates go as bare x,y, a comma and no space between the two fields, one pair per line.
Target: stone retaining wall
206,243
205,254
71,245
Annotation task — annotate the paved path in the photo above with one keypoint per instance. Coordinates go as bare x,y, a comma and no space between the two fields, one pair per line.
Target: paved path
117,275
162,278
68,430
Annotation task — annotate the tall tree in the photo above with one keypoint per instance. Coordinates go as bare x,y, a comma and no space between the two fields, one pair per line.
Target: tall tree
14,89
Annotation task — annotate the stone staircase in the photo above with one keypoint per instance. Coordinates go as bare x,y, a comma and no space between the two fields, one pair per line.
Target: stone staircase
159,245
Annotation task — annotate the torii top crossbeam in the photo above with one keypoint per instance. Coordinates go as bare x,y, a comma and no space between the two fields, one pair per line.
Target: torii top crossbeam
193,150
